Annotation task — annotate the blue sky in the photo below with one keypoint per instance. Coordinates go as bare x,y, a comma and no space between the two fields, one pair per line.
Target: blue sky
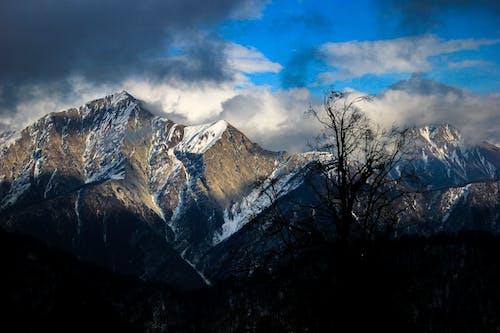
259,64
291,32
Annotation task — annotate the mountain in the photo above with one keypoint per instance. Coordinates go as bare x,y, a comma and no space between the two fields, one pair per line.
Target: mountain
442,159
462,181
462,192
119,186
140,194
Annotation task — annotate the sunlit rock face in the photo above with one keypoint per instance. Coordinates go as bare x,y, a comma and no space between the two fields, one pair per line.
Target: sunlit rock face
108,180
442,159
140,194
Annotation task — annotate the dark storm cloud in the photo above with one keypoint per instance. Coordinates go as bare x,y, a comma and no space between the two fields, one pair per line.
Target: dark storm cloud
314,22
419,84
202,58
296,73
47,41
421,16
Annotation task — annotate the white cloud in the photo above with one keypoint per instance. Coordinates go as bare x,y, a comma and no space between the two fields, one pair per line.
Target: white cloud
468,63
475,115
250,10
274,119
41,100
190,101
250,60
401,55
271,118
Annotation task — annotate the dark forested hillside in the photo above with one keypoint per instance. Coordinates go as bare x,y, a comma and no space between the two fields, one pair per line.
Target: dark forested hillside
442,284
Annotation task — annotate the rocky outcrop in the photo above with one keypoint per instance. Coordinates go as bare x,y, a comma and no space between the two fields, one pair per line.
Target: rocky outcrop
115,184
442,159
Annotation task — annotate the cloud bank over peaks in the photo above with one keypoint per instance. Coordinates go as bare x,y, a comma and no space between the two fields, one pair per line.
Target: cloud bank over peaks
400,55
274,119
271,118
187,100
419,101
48,43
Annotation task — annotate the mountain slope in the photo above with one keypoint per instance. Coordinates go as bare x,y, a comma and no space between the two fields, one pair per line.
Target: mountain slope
119,186
442,159
116,185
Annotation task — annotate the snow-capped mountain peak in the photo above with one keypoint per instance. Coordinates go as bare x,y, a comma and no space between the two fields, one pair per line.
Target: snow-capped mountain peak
100,177
443,159
120,96
198,139
440,136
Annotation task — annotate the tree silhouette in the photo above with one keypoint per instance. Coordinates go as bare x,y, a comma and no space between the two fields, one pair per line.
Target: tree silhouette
365,177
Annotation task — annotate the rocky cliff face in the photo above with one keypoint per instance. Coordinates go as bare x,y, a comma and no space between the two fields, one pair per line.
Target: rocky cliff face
138,193
443,160
116,185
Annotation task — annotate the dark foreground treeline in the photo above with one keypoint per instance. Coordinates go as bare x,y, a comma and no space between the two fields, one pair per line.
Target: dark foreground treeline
441,284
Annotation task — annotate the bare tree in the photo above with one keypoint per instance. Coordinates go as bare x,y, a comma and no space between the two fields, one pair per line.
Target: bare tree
363,179
294,233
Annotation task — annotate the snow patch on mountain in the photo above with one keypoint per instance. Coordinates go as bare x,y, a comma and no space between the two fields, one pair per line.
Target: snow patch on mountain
175,149
444,160
103,156
157,156
479,161
285,178
450,199
50,184
203,277
39,134
19,186
7,139
162,162
79,222
440,141
118,97
198,139
160,212
164,190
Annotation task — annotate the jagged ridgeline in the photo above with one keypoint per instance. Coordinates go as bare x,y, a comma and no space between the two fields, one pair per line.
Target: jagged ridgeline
116,185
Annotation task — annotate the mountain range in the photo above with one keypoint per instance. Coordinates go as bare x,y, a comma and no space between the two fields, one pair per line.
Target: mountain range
142,195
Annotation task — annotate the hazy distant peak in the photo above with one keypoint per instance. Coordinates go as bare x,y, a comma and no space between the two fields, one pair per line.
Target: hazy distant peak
419,84
444,131
112,100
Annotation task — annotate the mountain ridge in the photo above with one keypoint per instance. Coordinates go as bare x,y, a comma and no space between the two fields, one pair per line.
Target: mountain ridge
114,184
113,149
